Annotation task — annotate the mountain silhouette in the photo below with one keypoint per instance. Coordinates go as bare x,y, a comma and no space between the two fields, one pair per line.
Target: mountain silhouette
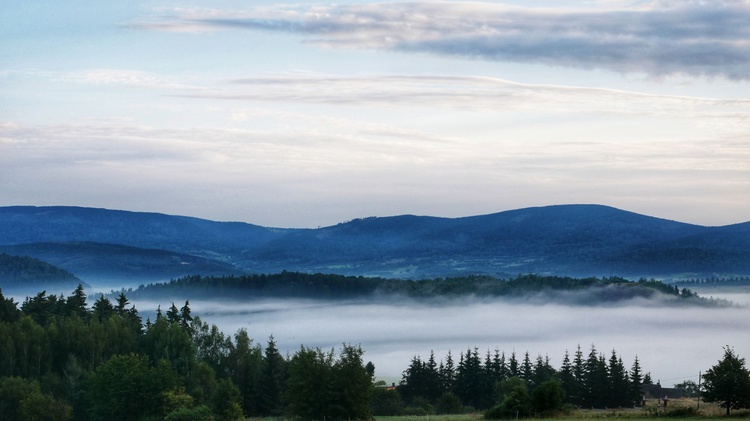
570,240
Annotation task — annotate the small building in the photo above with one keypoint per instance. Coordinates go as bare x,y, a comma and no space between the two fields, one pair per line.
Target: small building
655,391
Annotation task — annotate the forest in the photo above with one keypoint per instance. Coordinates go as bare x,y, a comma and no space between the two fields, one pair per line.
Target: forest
61,360
332,286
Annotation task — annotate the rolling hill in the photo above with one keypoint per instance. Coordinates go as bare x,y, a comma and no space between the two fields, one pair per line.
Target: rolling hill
570,240
23,272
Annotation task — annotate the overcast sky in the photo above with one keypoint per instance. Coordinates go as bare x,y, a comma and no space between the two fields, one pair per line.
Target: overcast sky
307,114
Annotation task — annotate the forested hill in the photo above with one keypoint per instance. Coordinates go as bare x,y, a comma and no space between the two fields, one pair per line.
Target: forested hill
532,288
22,271
570,240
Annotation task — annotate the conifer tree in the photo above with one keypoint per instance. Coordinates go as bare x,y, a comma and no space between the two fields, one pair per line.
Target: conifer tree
102,308
636,381
567,379
728,382
173,316
273,378
76,303
122,302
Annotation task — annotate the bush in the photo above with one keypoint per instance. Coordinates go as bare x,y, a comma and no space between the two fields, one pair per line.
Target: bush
387,403
683,412
449,403
547,398
199,413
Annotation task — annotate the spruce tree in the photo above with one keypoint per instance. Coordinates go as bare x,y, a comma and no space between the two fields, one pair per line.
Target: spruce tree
636,381
728,382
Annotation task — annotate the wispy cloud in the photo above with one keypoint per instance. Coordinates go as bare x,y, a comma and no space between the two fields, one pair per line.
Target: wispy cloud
708,38
126,77
482,95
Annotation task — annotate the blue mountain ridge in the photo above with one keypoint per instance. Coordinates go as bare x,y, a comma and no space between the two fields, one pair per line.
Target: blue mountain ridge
570,240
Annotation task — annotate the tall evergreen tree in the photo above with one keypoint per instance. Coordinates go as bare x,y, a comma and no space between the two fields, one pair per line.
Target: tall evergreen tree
728,382
76,303
173,315
9,311
447,373
619,385
273,378
567,378
102,308
185,318
513,366
636,381
527,370
122,302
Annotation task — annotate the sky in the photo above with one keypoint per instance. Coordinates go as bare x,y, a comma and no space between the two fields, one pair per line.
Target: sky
306,114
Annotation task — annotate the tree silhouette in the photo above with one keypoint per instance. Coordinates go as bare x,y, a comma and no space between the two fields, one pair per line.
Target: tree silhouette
728,382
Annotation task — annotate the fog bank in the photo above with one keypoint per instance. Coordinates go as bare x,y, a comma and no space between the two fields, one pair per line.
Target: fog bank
673,343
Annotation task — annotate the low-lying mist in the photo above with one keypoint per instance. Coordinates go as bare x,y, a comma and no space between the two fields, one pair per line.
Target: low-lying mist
673,343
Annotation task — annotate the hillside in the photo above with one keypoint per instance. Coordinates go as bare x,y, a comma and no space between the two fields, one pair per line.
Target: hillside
23,272
117,264
570,240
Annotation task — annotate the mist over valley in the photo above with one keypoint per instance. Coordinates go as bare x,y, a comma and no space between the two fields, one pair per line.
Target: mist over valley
674,338
673,343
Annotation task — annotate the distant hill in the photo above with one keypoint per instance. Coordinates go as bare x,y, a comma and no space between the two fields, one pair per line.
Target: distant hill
566,240
23,272
113,263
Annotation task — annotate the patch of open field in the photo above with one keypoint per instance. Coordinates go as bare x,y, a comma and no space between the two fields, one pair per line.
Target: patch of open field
676,409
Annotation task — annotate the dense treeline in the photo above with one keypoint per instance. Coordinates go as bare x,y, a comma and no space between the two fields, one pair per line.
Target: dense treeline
509,384
63,360
330,286
715,282
60,360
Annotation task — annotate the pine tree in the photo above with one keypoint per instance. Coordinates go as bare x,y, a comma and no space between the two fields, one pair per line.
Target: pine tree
447,373
185,318
273,375
122,302
173,316
102,308
636,381
728,382
618,380
527,371
567,380
513,366
76,303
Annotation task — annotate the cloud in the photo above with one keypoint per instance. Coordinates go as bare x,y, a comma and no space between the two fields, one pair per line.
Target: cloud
125,77
699,39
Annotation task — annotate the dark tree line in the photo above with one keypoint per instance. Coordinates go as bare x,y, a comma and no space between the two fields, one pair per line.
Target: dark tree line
715,282
61,360
485,381
331,286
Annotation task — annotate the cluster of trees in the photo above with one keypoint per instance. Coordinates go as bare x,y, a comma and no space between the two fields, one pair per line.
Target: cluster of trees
716,282
61,360
331,286
506,382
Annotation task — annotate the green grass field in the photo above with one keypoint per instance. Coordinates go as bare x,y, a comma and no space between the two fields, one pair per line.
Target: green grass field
650,412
